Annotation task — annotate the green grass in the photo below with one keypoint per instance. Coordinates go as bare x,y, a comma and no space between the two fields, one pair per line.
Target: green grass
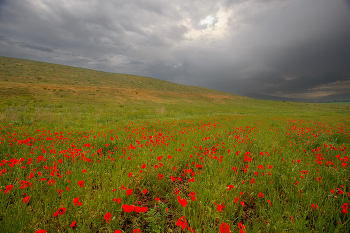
60,125
341,103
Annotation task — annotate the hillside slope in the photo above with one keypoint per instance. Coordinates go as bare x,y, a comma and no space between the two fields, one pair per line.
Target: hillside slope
38,90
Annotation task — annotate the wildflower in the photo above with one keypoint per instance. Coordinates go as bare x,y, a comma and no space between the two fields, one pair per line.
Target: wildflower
26,199
260,194
291,218
181,222
136,231
60,211
76,201
182,202
128,192
128,208
8,188
241,227
224,228
192,195
107,216
81,183
74,223
40,231
344,207
145,191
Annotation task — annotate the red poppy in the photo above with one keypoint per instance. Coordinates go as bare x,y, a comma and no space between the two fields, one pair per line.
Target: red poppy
260,194
117,231
128,208
8,188
224,228
136,230
26,199
40,231
76,201
182,202
74,223
107,216
192,195
181,222
344,207
60,211
81,183
128,192
241,227
145,191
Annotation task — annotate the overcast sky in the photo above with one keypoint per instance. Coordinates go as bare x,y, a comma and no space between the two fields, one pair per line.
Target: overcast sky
286,48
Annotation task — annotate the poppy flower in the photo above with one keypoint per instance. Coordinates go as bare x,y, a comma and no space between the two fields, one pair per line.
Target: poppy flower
107,216
241,227
128,192
81,183
136,231
192,195
74,223
182,202
60,211
76,201
344,207
40,231
128,208
260,194
8,188
224,228
26,199
181,222
117,231
145,191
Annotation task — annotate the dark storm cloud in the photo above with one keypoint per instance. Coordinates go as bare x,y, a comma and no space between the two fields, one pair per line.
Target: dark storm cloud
288,48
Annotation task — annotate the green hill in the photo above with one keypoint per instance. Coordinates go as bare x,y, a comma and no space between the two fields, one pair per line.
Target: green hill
31,89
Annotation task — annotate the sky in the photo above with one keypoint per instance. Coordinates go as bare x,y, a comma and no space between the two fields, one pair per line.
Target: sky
297,49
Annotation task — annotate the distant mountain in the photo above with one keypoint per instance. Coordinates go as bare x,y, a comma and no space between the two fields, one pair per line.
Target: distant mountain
271,97
339,97
330,98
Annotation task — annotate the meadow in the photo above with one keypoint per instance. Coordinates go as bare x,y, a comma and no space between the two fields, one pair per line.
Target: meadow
89,151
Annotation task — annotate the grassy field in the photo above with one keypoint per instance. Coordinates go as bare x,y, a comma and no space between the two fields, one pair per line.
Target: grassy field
89,151
341,103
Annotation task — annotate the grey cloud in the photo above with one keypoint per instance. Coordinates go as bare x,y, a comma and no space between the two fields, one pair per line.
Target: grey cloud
269,47
41,48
